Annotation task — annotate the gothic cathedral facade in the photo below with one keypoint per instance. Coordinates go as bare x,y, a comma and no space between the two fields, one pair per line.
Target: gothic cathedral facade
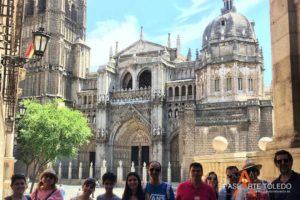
149,102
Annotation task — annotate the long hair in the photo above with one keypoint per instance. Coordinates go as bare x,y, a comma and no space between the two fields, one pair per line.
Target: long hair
140,194
216,187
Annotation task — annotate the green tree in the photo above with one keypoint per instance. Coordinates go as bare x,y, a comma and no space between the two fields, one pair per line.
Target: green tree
47,132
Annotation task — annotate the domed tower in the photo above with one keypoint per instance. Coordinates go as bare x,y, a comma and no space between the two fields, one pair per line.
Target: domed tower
231,64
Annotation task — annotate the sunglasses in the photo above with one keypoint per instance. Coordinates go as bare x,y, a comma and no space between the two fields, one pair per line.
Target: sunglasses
154,169
282,161
235,175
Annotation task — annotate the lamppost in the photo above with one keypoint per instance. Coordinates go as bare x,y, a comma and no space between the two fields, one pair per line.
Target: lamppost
39,44
13,65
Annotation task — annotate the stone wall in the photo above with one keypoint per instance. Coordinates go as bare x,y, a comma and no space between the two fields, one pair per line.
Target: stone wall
2,145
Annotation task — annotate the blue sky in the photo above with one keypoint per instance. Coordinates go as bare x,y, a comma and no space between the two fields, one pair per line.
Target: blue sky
120,20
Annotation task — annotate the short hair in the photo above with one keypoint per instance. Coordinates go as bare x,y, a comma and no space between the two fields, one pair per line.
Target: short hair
196,165
155,162
283,152
90,181
232,167
17,177
109,176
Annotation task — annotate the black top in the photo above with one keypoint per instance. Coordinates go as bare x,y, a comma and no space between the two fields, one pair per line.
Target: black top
286,191
10,197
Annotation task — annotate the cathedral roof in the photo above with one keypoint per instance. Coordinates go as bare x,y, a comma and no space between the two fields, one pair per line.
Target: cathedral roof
229,25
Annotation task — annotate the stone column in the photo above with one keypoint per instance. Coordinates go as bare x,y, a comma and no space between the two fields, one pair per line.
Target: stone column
132,169
101,136
103,168
286,73
120,172
80,171
70,170
91,170
169,173
144,173
59,171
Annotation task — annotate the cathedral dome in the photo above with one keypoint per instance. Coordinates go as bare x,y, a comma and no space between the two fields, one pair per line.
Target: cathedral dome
230,25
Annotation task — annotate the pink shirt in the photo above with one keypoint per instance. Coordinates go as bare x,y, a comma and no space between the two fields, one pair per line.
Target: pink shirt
186,191
42,194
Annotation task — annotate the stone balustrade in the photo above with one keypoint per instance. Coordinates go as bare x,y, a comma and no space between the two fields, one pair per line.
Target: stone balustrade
126,95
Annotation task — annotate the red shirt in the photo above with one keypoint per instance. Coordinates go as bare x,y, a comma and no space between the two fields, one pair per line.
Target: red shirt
186,191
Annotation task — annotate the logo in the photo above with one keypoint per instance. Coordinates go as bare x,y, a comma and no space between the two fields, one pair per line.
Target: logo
244,181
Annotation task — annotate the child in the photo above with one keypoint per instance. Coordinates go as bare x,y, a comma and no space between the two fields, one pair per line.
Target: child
108,181
88,188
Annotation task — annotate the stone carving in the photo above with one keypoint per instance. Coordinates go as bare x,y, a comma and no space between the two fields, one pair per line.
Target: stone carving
156,131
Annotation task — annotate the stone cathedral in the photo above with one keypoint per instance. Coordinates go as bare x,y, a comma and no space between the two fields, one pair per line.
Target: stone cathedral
149,102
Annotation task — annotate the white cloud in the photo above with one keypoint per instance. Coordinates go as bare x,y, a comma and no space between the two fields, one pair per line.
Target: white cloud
196,7
106,34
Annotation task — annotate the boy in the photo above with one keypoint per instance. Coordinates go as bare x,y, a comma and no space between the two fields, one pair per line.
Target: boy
108,181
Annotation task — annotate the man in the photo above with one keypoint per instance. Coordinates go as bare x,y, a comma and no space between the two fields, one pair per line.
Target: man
156,189
232,174
286,186
195,188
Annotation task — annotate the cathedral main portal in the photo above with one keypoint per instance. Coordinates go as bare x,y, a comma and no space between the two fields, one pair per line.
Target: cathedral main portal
132,145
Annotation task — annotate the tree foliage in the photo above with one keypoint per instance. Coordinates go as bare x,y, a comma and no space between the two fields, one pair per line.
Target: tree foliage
49,131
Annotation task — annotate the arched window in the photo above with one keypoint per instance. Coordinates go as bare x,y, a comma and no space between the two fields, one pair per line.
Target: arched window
240,83
42,6
170,92
176,91
127,81
176,113
170,114
183,91
250,84
217,85
30,7
94,119
190,90
74,13
228,83
145,79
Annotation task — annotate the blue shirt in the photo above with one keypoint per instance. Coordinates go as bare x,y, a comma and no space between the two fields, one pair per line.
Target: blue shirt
162,191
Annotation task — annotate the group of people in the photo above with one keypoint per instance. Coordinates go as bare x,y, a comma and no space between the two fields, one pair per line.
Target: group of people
242,185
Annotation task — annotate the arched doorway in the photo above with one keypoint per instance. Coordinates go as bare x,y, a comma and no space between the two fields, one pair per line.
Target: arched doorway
127,81
174,159
145,79
132,144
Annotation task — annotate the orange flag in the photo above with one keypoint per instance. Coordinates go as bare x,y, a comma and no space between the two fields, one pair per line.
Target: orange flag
30,51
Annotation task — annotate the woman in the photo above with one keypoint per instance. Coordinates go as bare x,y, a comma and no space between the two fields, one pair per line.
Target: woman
18,186
133,188
212,180
88,188
254,189
46,189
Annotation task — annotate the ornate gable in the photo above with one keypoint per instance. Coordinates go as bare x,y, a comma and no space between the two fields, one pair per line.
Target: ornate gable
141,46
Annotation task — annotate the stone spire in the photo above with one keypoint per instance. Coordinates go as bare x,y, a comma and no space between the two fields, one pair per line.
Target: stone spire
189,55
142,33
116,50
228,6
178,45
197,54
169,40
110,52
